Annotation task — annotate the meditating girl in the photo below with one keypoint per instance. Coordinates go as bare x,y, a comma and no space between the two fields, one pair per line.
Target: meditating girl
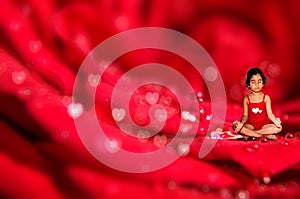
258,119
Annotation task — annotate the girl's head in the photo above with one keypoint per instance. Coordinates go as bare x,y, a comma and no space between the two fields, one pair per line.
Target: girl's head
252,72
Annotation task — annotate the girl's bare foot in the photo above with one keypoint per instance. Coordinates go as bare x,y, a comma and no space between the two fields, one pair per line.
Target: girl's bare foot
249,138
271,137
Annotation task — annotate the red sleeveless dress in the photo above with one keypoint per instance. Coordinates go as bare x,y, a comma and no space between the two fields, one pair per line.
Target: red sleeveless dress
257,114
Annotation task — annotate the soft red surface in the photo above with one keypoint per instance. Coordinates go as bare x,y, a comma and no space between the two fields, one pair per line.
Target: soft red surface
42,45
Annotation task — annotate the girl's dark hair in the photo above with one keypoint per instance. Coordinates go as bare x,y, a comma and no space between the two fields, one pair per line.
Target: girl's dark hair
255,71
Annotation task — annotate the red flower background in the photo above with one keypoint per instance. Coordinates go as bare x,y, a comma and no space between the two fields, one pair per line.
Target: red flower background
43,44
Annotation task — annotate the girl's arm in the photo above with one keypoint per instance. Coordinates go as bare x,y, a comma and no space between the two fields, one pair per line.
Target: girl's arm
245,111
270,114
238,125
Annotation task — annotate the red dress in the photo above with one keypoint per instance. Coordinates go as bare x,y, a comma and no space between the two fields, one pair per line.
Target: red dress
257,114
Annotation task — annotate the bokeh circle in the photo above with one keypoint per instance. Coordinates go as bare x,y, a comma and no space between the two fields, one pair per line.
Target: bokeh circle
87,125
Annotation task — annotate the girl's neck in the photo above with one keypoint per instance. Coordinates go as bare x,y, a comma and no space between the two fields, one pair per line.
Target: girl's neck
256,93
256,97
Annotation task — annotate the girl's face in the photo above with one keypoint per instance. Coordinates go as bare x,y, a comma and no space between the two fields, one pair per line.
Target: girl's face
256,83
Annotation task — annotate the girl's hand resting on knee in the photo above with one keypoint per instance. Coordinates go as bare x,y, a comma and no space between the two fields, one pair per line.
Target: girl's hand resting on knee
277,122
237,126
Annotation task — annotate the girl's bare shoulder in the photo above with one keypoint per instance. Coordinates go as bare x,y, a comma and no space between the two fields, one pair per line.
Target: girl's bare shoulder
245,99
267,98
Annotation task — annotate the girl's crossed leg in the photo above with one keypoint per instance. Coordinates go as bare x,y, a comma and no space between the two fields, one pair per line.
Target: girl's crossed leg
269,130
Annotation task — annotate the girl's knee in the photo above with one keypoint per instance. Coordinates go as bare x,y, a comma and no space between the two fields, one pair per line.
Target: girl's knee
278,129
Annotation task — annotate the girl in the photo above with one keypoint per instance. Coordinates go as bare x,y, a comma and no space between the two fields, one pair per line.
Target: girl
258,119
